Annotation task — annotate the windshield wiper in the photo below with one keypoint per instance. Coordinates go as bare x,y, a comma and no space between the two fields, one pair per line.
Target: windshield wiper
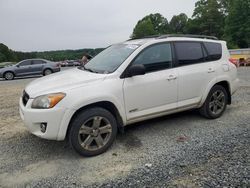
87,69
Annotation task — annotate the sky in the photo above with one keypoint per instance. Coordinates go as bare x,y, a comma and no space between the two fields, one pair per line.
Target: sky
42,25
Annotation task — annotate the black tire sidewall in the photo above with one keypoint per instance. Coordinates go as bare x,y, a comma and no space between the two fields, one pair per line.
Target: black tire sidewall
80,119
216,88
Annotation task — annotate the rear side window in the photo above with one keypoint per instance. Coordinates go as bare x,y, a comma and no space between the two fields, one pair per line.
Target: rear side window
37,62
156,57
189,53
214,51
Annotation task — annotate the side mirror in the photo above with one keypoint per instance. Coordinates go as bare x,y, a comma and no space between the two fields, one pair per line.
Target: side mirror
135,70
17,66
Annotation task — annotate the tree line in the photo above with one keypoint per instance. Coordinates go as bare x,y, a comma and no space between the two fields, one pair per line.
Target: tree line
7,54
226,19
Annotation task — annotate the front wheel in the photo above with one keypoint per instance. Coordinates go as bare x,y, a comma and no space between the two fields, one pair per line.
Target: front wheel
9,76
93,131
216,103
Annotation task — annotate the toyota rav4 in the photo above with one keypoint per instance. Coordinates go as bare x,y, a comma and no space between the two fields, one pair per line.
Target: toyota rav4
130,82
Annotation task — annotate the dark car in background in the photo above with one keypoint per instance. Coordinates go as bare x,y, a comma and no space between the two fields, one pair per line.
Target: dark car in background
29,67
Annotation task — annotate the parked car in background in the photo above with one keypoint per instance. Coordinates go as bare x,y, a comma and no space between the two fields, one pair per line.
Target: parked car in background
71,63
77,63
63,63
29,67
244,62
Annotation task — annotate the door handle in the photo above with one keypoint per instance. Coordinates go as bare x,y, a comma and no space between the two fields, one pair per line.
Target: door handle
171,77
210,70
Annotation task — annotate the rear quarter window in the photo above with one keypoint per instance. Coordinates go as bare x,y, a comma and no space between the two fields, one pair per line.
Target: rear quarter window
214,51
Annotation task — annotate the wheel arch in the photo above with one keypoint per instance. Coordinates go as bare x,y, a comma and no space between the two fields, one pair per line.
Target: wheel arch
223,83
226,85
103,104
9,71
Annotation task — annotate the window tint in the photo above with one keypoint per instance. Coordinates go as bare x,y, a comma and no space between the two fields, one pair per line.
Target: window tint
189,53
156,57
214,51
24,63
37,62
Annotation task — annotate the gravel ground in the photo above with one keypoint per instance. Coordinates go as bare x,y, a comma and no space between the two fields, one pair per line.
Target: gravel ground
180,150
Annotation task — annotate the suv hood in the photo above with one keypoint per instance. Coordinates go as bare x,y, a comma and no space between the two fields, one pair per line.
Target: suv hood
62,81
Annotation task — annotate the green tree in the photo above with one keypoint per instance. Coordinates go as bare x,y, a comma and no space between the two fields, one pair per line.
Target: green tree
6,54
2,57
237,29
178,23
208,18
153,24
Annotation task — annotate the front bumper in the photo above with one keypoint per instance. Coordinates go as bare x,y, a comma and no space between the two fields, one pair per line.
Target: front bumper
52,117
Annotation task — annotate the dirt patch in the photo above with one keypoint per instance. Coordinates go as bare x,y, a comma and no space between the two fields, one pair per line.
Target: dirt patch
32,172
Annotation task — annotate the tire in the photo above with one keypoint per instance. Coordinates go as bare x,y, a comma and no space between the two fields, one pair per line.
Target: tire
87,133
9,76
215,104
47,72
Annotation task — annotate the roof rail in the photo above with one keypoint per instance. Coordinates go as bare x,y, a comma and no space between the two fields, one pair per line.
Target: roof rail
145,37
176,35
188,36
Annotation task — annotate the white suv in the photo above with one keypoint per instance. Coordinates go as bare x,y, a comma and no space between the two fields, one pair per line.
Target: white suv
130,82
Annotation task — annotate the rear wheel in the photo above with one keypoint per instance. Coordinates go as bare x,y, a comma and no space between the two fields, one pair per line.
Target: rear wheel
216,103
47,72
93,131
9,76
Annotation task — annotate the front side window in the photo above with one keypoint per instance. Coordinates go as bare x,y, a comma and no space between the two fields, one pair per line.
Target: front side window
110,59
189,53
25,63
156,57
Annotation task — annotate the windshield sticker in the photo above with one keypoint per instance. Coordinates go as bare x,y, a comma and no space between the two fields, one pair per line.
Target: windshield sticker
132,46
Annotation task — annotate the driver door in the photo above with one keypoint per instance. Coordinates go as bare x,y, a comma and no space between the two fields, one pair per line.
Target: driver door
156,91
24,68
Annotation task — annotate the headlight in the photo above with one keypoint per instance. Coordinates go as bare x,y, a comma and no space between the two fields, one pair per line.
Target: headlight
47,101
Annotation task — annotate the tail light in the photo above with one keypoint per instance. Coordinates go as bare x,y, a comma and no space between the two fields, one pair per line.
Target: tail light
234,61
58,65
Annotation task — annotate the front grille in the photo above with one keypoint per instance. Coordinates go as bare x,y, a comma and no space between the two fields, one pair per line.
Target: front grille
25,98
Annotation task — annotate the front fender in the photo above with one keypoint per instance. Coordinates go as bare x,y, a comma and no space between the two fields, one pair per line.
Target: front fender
71,111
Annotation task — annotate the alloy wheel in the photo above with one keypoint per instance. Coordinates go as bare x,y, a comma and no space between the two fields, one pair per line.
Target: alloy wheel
217,102
9,76
94,133
47,72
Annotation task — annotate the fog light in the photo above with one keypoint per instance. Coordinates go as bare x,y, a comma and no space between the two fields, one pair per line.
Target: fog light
43,127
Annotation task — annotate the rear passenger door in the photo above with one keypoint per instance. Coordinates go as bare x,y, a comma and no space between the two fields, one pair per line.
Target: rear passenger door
37,66
194,71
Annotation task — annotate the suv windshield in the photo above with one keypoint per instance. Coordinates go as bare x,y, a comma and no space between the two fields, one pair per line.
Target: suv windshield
111,58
